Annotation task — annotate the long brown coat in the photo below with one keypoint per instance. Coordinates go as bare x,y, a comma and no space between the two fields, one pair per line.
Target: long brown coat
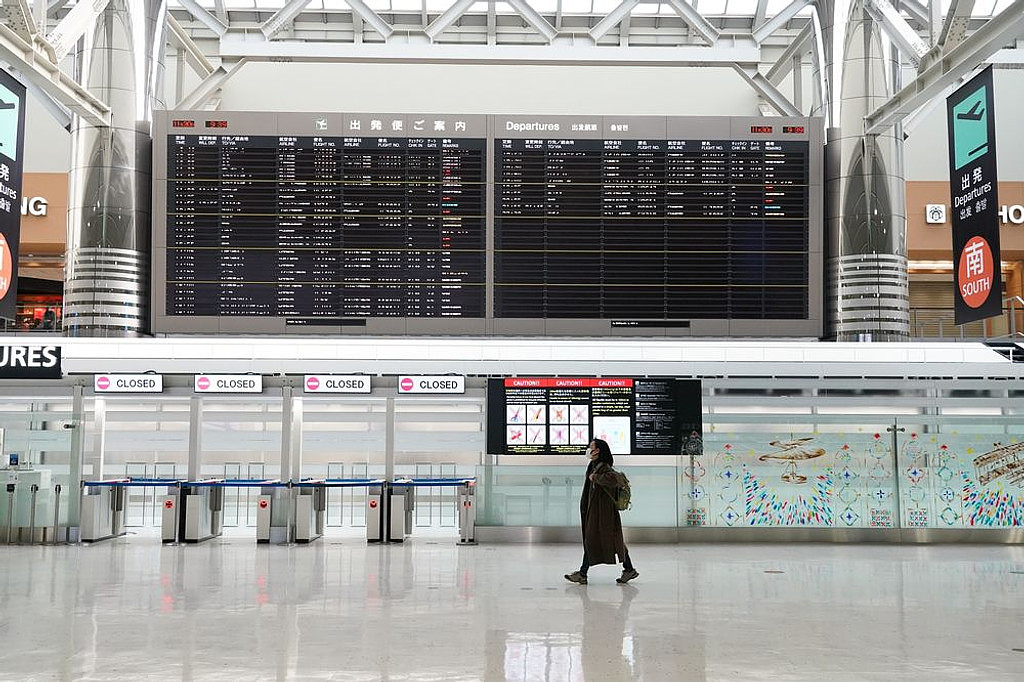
602,525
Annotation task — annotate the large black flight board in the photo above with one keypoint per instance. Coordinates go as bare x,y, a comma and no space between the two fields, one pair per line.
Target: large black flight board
325,229
651,229
488,225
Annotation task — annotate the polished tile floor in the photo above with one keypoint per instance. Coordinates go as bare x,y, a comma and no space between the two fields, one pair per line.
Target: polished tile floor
429,610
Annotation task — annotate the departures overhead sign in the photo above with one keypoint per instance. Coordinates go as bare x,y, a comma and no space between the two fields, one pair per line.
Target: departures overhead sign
128,383
973,189
27,361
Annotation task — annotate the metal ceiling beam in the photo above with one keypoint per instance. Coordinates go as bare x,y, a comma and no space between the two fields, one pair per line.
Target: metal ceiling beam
73,26
779,20
203,16
60,113
695,20
362,10
738,49
283,18
999,31
18,17
221,11
784,64
898,30
447,18
37,68
954,29
210,85
534,19
612,19
769,92
194,56
917,12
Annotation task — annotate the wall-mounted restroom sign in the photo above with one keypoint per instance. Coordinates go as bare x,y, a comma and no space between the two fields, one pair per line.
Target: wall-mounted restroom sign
445,383
228,383
336,383
128,383
29,361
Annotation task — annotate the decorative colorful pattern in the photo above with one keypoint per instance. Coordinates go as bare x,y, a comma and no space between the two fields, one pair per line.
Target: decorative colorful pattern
764,507
881,518
992,506
696,517
917,518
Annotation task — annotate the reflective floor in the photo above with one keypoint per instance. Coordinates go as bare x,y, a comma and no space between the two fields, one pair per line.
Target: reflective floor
429,610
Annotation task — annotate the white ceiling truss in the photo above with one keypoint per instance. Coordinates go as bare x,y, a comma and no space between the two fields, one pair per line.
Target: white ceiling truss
764,41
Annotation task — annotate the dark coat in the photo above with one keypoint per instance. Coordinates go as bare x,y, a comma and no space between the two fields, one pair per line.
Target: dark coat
602,525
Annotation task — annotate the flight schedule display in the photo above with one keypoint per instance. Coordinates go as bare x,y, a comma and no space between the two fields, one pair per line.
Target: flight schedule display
487,225
653,222
561,415
281,221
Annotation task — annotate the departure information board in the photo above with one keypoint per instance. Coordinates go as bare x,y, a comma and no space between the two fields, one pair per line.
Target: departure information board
398,224
377,217
561,415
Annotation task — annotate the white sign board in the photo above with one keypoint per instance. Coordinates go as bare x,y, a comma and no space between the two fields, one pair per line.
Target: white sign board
128,383
336,383
445,383
228,383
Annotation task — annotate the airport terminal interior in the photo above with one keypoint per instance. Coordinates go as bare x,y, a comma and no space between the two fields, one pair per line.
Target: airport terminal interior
313,313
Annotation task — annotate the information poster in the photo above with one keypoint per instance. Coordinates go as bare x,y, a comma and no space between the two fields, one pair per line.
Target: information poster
561,415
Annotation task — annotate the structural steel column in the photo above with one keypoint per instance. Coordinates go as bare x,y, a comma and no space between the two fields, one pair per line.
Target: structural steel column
868,293
107,264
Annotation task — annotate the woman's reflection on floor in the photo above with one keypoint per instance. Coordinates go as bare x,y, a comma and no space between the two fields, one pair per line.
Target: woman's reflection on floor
609,650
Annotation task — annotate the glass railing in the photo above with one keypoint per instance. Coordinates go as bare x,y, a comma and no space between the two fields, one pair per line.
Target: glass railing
957,472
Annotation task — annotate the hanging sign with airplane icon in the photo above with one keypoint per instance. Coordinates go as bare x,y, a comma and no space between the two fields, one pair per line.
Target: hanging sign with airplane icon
12,140
975,206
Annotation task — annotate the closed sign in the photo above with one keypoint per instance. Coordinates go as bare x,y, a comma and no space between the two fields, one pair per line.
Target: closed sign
432,384
336,383
128,383
26,361
228,383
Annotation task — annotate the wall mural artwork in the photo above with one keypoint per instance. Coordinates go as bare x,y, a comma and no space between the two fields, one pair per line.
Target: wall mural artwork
996,497
849,481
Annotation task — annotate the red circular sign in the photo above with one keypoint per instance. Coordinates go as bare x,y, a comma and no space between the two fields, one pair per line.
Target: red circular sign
373,504
203,383
406,384
975,271
102,383
312,383
263,504
6,266
169,504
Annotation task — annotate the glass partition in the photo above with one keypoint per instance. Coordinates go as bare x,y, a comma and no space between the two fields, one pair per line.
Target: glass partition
842,453
34,434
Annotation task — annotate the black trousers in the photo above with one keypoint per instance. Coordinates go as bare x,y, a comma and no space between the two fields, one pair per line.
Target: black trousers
627,565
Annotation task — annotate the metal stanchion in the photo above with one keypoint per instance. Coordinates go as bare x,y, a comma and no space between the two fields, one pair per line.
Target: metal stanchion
56,512
32,515
10,513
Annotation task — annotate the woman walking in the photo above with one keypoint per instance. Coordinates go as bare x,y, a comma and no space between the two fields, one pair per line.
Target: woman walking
602,526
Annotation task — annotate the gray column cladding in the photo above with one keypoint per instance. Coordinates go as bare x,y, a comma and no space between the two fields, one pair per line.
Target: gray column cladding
867,289
107,264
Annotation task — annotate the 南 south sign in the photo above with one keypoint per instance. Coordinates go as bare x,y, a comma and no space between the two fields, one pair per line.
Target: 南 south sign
228,383
336,383
445,383
128,383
